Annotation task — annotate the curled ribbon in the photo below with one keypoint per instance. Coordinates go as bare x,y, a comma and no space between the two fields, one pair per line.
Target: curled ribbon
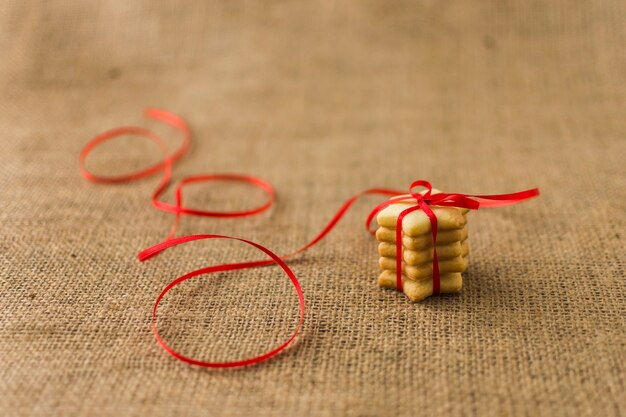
422,202
166,166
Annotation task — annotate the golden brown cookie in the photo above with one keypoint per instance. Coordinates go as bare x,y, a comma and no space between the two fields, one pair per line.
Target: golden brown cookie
384,234
419,290
417,222
425,270
411,257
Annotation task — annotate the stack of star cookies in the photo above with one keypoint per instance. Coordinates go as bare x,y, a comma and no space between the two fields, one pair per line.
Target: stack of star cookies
417,253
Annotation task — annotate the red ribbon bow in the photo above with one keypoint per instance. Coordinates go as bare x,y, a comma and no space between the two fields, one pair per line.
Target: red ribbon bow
424,200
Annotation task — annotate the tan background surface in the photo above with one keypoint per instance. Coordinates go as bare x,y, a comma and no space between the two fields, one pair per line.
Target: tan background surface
323,100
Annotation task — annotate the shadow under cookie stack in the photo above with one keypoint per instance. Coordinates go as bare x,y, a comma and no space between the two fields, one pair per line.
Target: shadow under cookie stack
417,249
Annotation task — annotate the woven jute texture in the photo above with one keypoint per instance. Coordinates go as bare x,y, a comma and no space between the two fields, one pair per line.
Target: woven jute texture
322,99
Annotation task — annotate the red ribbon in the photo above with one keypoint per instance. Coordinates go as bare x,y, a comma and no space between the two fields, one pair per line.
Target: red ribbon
423,202
166,166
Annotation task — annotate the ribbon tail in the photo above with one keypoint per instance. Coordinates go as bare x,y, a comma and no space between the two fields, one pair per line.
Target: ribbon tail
499,200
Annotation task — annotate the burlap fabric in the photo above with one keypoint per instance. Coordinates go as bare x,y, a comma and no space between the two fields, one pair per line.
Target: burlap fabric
322,100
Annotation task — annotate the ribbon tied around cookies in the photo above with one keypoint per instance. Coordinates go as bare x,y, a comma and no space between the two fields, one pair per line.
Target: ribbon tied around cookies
424,200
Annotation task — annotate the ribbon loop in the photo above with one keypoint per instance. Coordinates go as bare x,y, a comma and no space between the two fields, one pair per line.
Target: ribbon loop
220,268
421,183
